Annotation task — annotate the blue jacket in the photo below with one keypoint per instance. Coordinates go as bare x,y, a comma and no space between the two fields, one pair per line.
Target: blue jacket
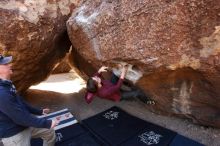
15,114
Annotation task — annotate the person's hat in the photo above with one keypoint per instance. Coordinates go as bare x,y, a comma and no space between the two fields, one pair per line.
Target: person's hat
5,60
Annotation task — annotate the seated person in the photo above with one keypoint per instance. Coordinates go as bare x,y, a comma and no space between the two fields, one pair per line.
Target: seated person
98,86
17,122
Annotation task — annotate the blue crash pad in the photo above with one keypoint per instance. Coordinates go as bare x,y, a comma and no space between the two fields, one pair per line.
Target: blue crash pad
116,127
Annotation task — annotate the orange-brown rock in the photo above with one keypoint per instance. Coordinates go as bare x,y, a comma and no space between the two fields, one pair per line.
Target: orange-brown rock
174,43
34,32
63,66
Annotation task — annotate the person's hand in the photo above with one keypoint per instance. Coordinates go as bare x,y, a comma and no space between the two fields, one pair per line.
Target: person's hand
54,123
103,69
124,71
46,111
125,68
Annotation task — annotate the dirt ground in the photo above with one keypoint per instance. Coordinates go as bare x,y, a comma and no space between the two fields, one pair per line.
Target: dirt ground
76,103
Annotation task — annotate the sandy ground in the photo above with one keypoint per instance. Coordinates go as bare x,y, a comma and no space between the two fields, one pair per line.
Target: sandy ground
59,99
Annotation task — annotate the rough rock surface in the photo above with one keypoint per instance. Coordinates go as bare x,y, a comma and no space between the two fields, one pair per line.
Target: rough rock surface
34,32
63,66
174,43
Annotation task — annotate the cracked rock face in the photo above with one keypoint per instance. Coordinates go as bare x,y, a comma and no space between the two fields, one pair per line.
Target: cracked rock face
175,44
34,33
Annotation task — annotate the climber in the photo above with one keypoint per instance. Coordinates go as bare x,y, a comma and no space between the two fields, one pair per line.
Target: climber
97,86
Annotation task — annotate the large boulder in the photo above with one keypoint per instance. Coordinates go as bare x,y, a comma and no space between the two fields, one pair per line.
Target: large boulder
34,32
174,46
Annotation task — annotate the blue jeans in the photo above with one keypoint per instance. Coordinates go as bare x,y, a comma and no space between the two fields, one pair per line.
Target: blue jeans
114,79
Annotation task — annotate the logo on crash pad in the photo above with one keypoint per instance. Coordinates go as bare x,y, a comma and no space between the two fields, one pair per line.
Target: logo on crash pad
150,138
59,137
111,115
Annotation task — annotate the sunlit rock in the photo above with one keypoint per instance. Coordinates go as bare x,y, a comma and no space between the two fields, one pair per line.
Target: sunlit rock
175,44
